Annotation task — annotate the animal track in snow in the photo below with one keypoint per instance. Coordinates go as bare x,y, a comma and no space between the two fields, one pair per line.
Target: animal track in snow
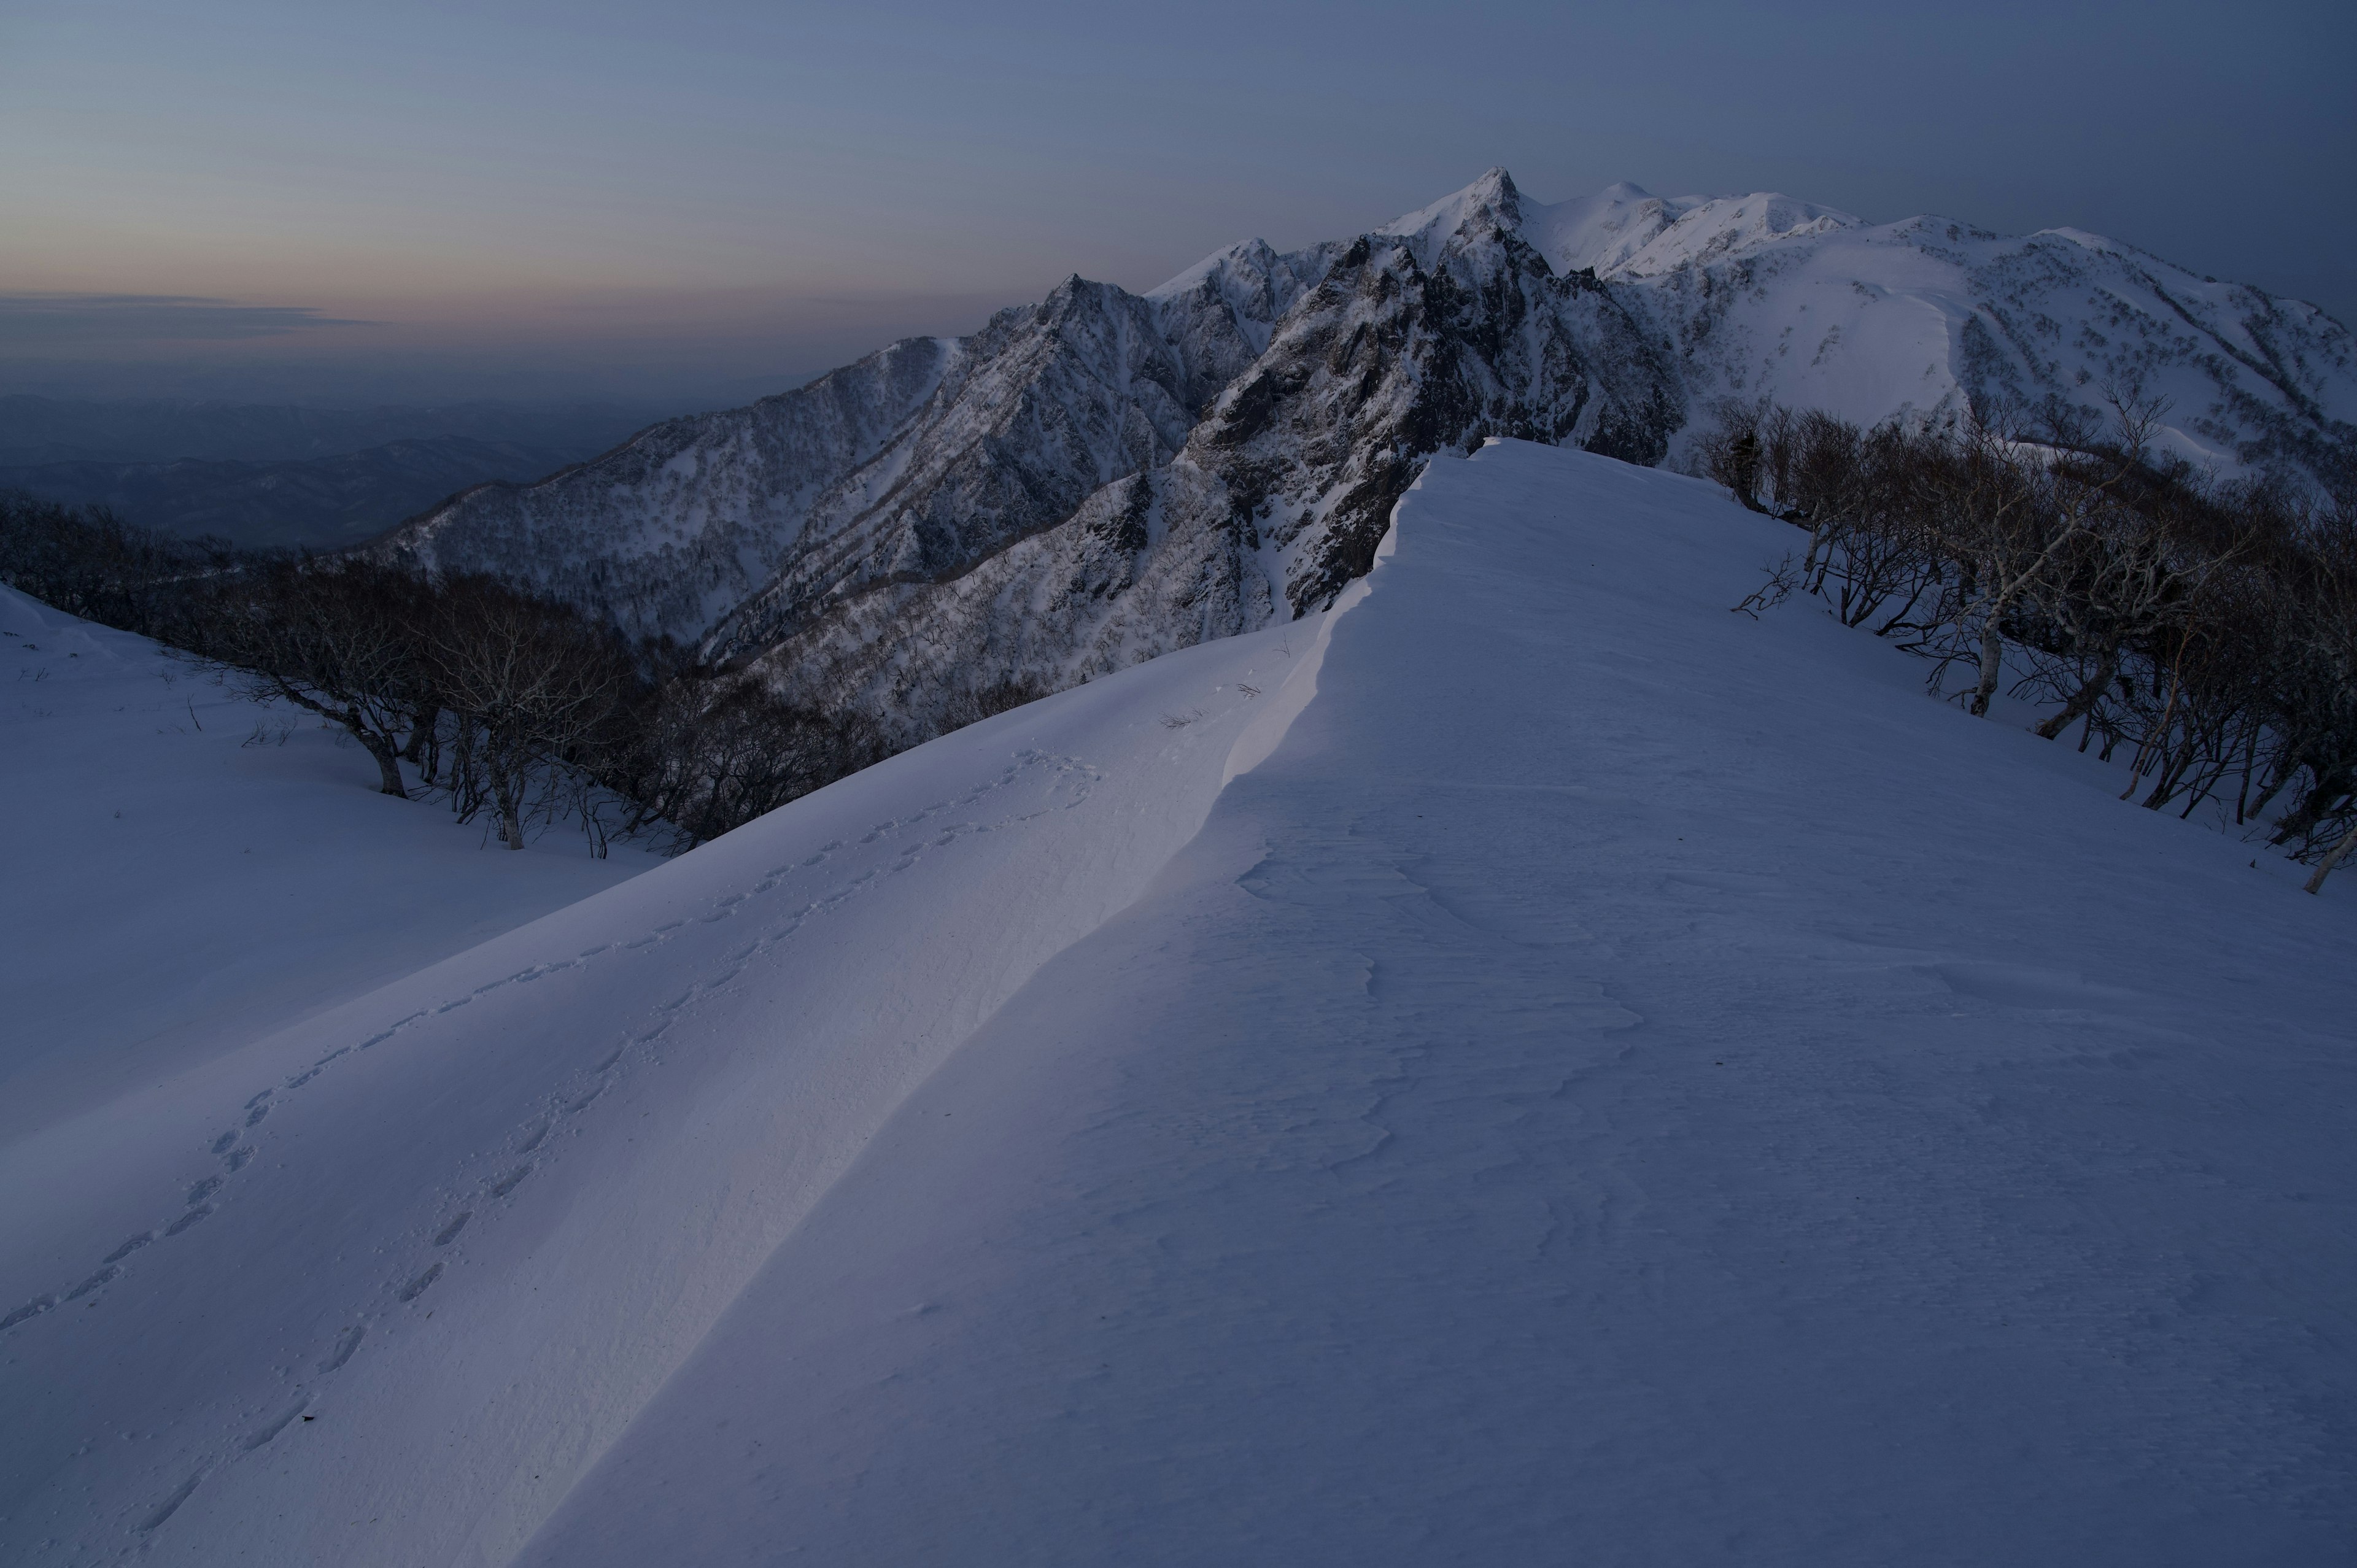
348,1342
26,1312
170,1505
281,1423
235,1156
1075,779
130,1247
103,1276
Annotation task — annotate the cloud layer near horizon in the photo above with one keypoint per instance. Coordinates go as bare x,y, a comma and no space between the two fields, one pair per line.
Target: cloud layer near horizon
535,194
61,320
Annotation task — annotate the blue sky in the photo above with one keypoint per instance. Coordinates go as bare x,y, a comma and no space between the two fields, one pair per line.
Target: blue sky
683,203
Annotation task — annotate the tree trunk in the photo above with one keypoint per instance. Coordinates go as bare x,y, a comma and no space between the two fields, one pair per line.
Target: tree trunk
508,795
421,731
388,761
2314,807
2340,851
1992,663
2082,701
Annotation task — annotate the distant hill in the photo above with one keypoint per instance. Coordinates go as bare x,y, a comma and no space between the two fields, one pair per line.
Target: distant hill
320,504
42,430
263,474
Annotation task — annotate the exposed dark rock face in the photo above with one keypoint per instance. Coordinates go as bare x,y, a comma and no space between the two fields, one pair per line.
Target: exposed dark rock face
1106,476
1414,343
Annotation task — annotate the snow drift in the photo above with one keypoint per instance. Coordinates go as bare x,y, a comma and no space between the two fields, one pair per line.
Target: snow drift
1603,1077
491,1204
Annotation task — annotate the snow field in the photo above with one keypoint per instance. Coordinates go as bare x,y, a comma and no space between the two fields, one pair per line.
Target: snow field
1603,1079
1620,1082
171,888
376,1288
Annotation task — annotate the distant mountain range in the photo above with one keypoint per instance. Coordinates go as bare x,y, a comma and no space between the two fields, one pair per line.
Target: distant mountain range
35,431
274,475
1104,477
326,503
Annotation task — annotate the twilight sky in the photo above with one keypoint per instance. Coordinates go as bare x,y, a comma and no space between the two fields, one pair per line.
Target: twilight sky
690,203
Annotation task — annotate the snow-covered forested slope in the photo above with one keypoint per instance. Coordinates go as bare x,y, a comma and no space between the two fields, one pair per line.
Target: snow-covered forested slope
1106,475
187,871
1528,1066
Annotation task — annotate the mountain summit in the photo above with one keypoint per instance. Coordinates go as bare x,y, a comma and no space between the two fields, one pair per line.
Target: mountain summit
953,524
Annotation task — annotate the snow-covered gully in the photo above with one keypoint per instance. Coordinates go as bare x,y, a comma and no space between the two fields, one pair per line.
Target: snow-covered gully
1607,1080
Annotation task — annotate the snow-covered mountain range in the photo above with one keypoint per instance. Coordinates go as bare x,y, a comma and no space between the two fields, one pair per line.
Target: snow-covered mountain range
1106,476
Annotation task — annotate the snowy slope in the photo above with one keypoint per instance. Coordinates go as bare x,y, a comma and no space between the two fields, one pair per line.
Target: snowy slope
1925,317
1622,1083
1603,1079
470,1222
170,891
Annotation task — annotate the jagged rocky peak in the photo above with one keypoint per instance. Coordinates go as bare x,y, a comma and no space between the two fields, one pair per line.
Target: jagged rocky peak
1222,312
1102,475
1621,230
1479,215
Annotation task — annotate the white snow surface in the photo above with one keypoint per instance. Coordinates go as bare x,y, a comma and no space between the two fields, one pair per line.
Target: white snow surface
1561,1072
1927,318
189,870
1603,230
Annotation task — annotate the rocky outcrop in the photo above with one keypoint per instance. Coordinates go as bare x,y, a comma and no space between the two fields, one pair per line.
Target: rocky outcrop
953,524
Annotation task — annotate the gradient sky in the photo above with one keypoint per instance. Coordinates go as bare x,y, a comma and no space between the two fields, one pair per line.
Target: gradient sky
693,202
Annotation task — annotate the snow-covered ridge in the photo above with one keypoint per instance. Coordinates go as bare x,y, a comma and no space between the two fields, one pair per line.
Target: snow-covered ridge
1107,476
1600,232
1603,1079
530,1178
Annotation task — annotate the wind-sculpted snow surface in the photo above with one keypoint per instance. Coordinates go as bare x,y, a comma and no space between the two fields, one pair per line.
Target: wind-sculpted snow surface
1106,475
1529,1067
376,1288
1619,1082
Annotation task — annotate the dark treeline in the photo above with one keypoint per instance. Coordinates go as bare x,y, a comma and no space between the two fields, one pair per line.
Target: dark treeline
508,707
2206,631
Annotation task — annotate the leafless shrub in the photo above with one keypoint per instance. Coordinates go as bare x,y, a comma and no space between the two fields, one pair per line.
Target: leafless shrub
2206,631
504,705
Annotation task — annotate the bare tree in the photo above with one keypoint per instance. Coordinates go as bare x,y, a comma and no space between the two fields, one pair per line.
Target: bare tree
2209,628
532,687
339,640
